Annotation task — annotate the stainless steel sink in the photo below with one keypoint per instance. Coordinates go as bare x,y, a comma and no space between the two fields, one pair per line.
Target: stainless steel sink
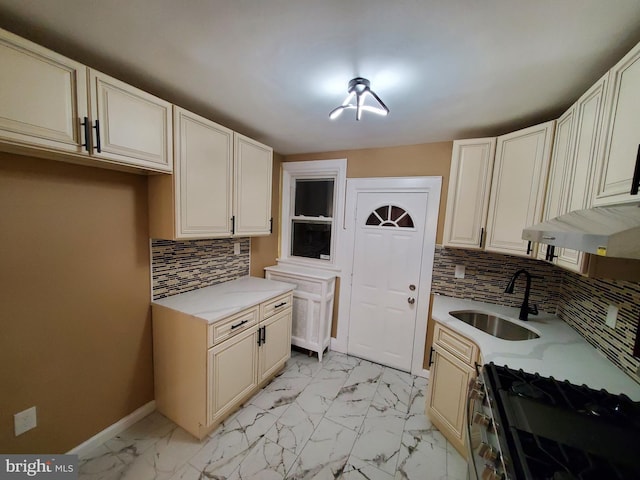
494,325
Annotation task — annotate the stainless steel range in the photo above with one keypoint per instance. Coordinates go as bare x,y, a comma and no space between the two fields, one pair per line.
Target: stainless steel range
524,426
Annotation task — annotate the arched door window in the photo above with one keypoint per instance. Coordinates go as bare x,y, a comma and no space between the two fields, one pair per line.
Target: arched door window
390,216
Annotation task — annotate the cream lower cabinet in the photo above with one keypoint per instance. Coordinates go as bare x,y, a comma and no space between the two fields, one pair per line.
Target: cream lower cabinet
203,372
453,367
518,188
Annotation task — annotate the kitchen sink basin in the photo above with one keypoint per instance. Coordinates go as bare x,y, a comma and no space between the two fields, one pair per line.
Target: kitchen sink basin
494,325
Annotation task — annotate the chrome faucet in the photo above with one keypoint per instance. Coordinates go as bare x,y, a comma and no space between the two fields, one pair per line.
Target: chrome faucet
525,309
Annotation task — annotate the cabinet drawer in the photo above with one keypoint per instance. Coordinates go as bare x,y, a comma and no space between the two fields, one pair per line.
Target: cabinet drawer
276,305
229,327
461,347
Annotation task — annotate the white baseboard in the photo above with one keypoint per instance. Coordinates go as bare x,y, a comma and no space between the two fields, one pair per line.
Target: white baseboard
113,430
337,346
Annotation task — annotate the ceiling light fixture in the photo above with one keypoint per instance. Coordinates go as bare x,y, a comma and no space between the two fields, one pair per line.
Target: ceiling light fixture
359,91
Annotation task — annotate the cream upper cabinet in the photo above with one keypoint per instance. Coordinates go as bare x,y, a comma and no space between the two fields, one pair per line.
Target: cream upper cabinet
196,202
130,126
43,97
468,193
587,146
53,107
518,187
253,164
621,158
221,184
559,173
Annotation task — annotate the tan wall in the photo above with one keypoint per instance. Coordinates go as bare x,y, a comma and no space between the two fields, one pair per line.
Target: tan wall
427,159
264,250
75,331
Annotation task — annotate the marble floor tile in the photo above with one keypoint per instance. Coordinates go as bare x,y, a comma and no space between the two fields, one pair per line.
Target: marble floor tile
394,390
356,469
294,427
163,459
423,452
276,397
325,454
344,417
266,461
100,464
232,441
378,442
136,439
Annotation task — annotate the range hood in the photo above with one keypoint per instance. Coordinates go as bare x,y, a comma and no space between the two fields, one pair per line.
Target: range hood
608,231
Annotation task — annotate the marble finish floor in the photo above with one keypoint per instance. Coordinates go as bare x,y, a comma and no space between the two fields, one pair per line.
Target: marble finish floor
344,418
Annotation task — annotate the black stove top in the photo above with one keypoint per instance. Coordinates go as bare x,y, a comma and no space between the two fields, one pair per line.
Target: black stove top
558,430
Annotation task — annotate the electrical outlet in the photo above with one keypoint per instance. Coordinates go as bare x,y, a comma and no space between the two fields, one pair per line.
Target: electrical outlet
612,316
236,248
25,420
459,272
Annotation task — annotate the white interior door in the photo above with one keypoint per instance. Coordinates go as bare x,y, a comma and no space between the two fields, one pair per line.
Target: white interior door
387,258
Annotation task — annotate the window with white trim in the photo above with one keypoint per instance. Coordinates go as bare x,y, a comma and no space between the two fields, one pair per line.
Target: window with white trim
312,203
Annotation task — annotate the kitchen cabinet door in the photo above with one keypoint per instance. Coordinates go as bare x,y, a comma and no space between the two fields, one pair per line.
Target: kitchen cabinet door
275,348
133,127
622,138
43,97
588,130
446,396
232,372
517,188
468,195
559,174
253,163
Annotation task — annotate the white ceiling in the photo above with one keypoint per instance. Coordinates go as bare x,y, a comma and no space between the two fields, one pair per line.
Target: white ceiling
274,69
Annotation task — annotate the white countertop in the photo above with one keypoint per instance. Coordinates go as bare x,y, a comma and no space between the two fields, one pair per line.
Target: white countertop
219,301
559,352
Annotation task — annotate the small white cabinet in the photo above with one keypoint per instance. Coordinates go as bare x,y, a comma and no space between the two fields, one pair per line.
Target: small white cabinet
312,304
468,194
221,184
621,158
204,371
518,187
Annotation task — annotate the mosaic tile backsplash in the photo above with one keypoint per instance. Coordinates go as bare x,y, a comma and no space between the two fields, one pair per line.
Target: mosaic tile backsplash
583,305
182,266
487,275
581,302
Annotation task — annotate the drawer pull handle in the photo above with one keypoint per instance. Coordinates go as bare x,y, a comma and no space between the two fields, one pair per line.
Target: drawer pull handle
233,327
280,305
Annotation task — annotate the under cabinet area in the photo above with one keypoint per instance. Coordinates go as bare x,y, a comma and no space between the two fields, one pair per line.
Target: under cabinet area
221,184
453,360
54,107
207,362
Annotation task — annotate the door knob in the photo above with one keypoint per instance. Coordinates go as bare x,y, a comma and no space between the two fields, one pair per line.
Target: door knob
411,300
